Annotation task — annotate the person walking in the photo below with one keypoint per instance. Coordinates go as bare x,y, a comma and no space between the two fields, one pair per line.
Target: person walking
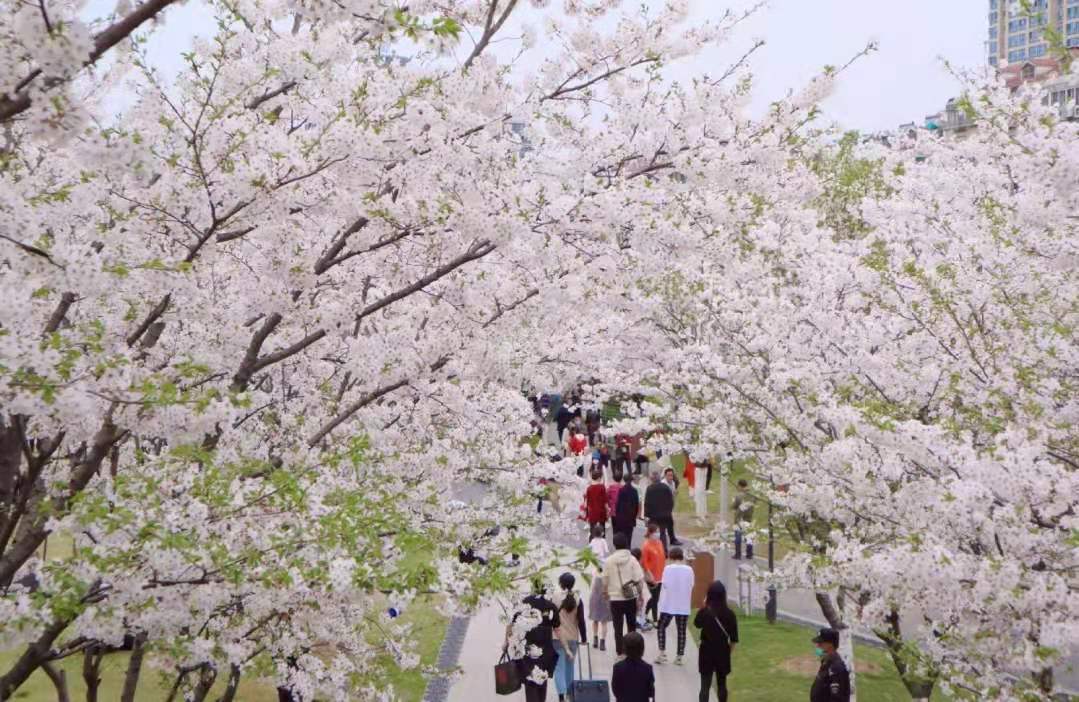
539,638
613,489
577,447
653,560
633,680
628,508
659,508
743,518
625,588
719,636
832,683
671,481
595,502
599,612
674,604
570,634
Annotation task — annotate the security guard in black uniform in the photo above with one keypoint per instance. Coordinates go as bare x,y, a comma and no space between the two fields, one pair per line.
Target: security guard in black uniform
832,683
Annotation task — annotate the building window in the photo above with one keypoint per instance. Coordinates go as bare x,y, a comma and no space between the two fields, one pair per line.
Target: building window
1017,24
1036,52
1073,12
1017,40
1073,41
992,4
1073,27
1017,55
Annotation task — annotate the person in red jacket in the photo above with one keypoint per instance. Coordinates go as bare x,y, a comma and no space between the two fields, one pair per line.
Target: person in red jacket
595,502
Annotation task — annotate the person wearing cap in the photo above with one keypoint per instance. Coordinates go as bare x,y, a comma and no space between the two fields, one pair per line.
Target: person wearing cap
832,683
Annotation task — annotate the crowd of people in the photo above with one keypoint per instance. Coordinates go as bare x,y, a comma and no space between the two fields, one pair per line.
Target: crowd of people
635,589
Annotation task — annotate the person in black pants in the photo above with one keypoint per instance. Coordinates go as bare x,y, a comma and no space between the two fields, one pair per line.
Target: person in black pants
659,508
620,570
627,509
719,636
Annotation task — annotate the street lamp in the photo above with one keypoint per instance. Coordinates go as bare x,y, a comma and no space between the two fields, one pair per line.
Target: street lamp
772,606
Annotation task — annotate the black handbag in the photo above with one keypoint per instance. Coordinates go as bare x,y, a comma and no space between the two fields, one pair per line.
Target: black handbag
507,676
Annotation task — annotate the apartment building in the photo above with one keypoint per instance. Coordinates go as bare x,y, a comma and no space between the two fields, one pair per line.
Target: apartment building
1016,35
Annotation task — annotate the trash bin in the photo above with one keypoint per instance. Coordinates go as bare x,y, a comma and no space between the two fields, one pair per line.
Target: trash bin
703,564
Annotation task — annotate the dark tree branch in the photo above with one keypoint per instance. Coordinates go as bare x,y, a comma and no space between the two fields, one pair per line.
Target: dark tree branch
66,300
145,324
110,37
247,366
477,251
353,409
254,103
490,29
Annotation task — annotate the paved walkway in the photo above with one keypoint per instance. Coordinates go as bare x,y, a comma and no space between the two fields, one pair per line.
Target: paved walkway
483,642
483,645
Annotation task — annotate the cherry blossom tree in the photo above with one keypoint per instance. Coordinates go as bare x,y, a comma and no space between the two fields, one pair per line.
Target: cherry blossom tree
263,322
894,340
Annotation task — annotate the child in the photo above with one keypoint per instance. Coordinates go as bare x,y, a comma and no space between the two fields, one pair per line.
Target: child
599,611
599,607
674,604
632,679
598,544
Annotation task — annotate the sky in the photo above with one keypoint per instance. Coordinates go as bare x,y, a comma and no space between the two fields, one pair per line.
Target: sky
901,82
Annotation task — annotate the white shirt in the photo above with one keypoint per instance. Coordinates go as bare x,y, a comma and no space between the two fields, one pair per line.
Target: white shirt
677,589
600,548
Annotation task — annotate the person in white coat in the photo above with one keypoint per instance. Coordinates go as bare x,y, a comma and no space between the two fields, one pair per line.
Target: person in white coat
674,603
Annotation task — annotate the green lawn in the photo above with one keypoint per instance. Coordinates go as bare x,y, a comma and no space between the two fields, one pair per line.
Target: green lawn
775,663
686,522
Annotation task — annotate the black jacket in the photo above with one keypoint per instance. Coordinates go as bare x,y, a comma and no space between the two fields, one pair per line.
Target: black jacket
632,680
658,501
832,683
627,507
541,635
718,632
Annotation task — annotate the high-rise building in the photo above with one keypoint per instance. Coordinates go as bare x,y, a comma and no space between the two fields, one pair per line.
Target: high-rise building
1016,35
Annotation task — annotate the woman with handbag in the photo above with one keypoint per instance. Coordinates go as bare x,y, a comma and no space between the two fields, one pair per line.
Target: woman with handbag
719,636
539,640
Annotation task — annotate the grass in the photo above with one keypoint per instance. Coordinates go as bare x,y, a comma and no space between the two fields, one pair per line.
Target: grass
775,663
154,685
429,627
685,510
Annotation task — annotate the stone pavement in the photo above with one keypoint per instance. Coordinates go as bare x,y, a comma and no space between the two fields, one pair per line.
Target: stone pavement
483,646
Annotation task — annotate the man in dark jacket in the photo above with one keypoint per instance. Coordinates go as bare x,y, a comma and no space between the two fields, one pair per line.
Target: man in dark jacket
832,683
659,508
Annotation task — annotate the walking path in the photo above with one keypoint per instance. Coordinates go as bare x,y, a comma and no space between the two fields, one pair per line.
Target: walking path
483,645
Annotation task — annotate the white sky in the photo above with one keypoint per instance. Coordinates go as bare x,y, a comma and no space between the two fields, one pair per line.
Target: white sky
903,81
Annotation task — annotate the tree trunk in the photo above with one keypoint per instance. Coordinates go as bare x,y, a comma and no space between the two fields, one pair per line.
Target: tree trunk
91,671
59,681
919,686
836,619
134,669
207,676
31,659
233,684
